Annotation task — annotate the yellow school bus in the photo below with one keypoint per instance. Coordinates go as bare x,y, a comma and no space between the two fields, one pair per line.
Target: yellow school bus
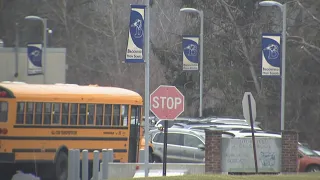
41,122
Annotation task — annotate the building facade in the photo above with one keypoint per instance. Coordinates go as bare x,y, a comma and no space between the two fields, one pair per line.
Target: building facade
14,66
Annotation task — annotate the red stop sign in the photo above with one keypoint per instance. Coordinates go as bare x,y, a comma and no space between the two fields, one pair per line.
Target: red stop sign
166,102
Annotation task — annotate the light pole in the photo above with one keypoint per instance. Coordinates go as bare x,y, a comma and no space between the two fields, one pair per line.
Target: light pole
283,8
44,54
192,10
147,87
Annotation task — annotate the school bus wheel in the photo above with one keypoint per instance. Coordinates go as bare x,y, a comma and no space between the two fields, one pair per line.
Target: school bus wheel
61,166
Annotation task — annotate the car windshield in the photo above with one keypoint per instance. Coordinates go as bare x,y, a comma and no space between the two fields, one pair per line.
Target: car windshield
306,151
203,136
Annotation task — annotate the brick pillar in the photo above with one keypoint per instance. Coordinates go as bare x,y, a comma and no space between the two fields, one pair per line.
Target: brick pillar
289,151
213,151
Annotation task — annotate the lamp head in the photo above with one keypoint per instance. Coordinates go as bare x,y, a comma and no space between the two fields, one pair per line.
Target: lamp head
33,18
270,3
189,10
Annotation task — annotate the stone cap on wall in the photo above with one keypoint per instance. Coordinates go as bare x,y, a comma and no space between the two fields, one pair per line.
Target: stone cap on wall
213,132
290,131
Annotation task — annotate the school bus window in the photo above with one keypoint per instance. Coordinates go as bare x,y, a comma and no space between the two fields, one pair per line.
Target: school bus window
29,113
20,112
38,116
124,115
74,114
56,113
116,115
91,109
107,114
99,114
47,113
3,111
134,114
65,113
82,114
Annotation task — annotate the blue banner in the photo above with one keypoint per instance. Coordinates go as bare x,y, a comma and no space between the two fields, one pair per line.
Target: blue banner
34,53
271,55
134,53
190,55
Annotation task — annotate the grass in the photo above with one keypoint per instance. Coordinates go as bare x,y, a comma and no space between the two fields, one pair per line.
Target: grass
304,176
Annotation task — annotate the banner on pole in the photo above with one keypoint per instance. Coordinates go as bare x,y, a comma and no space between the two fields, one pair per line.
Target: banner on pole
271,55
134,53
34,53
190,53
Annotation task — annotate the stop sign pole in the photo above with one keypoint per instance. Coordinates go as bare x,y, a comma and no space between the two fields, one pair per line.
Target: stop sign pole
167,103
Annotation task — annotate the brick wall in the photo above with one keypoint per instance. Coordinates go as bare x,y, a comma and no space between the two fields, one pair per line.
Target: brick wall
213,151
289,151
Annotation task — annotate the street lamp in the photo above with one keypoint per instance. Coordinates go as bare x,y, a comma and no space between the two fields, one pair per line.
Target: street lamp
283,8
192,10
44,54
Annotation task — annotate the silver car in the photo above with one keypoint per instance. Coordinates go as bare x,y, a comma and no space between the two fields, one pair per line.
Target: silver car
184,145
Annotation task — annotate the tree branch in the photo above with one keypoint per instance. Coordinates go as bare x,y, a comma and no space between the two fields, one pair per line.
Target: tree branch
243,46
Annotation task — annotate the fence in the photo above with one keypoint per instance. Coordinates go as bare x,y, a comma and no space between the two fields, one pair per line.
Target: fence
74,164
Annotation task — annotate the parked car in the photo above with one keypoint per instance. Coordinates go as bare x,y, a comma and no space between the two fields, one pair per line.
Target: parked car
220,126
177,120
184,145
309,161
317,152
229,120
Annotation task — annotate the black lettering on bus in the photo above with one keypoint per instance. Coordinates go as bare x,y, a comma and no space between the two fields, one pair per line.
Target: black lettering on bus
108,133
68,132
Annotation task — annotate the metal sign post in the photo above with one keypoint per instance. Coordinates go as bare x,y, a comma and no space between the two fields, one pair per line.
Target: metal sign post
249,112
146,91
165,147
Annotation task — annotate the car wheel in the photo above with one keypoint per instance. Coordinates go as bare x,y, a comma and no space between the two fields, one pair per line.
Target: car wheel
150,157
156,159
313,168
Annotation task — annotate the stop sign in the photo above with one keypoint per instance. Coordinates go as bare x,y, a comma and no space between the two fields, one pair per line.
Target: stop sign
167,102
